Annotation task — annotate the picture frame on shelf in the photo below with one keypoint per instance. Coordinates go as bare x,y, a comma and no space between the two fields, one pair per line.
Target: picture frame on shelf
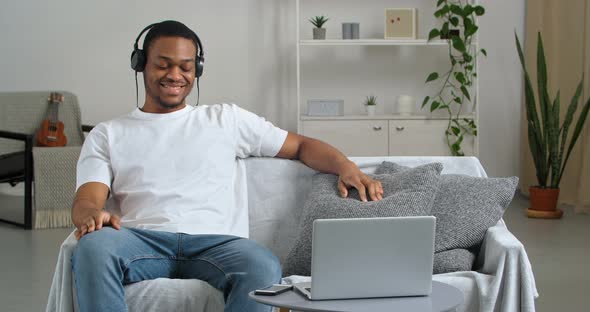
401,23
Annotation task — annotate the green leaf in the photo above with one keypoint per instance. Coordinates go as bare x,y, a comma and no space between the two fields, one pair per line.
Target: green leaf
468,58
479,10
444,31
536,140
469,67
465,93
553,140
458,100
426,99
544,101
434,105
444,10
433,34
456,130
579,126
440,2
454,21
484,52
458,44
468,10
460,77
470,30
432,76
456,9
569,116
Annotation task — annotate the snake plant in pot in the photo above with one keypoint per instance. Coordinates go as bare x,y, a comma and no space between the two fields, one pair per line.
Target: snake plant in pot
548,139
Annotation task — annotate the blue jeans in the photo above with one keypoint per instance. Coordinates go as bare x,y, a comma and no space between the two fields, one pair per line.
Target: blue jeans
107,259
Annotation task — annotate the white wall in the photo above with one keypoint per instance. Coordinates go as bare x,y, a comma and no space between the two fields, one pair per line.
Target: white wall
500,87
84,47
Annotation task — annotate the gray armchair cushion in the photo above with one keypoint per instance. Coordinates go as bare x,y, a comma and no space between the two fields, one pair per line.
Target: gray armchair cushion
12,167
464,207
407,193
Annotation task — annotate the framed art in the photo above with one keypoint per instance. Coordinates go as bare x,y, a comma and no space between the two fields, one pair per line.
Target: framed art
400,23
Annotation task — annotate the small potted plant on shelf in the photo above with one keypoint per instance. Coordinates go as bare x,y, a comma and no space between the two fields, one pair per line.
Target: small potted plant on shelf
318,31
371,104
547,138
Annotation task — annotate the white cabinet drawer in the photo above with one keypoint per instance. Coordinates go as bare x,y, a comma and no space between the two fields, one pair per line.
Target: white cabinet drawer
351,137
422,138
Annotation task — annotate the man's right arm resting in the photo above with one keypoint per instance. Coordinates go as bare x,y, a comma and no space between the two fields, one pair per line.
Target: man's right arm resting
87,211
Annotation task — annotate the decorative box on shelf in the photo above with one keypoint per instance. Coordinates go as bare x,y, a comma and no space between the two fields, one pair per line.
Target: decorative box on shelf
325,107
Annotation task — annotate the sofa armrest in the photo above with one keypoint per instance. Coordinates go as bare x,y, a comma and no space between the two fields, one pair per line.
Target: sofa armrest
87,128
61,297
503,256
16,135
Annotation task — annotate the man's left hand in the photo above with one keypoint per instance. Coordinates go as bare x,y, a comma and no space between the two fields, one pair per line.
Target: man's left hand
352,176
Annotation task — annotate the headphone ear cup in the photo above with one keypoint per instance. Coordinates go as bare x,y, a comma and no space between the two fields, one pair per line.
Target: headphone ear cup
199,66
138,60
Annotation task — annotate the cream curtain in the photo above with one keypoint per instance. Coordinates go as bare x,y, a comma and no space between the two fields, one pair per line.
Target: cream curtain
565,27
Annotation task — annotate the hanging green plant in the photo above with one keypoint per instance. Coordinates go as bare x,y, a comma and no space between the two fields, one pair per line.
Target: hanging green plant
458,28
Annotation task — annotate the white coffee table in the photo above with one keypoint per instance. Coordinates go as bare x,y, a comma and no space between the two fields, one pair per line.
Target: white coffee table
443,298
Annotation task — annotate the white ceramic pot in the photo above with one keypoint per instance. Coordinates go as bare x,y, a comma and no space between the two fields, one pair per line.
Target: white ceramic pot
319,33
371,110
406,104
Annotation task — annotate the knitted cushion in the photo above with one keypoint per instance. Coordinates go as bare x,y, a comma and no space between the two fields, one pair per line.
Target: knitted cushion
453,260
407,193
464,207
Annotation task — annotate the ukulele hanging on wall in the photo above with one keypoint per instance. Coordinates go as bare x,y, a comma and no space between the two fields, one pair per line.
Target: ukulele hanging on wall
51,132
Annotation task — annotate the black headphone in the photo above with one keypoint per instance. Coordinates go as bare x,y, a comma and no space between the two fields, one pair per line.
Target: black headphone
139,59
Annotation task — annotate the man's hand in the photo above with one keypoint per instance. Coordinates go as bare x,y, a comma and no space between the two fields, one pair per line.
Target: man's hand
352,176
325,158
94,220
87,211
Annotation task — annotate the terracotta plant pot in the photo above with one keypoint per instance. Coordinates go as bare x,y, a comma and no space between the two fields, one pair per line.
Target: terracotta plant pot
544,203
544,199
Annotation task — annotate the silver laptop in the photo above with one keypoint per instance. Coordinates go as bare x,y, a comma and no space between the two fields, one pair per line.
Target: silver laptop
371,258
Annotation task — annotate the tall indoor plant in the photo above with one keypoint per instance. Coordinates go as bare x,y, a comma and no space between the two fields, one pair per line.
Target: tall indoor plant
459,27
547,138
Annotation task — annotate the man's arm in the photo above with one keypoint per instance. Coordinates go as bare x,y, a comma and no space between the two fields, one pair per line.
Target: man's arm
325,158
87,211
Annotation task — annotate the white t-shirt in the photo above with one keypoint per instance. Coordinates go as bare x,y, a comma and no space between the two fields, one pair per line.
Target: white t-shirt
175,172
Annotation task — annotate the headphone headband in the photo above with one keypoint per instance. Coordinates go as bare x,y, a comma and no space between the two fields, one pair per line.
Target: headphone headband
148,27
139,57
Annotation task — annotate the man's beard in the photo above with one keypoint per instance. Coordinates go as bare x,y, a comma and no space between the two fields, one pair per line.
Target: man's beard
163,104
160,102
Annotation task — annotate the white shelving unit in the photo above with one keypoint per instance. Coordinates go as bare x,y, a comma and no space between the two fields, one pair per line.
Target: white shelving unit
368,42
379,135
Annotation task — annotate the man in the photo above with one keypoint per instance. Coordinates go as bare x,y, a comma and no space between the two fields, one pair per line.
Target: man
169,170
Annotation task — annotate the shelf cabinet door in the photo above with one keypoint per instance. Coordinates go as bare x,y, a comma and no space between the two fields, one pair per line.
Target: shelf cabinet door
351,137
422,138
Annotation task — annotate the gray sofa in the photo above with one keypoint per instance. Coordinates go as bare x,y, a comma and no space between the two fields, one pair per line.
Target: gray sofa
274,191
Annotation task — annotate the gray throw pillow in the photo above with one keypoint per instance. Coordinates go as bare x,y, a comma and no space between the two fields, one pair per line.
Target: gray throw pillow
407,193
453,260
464,207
